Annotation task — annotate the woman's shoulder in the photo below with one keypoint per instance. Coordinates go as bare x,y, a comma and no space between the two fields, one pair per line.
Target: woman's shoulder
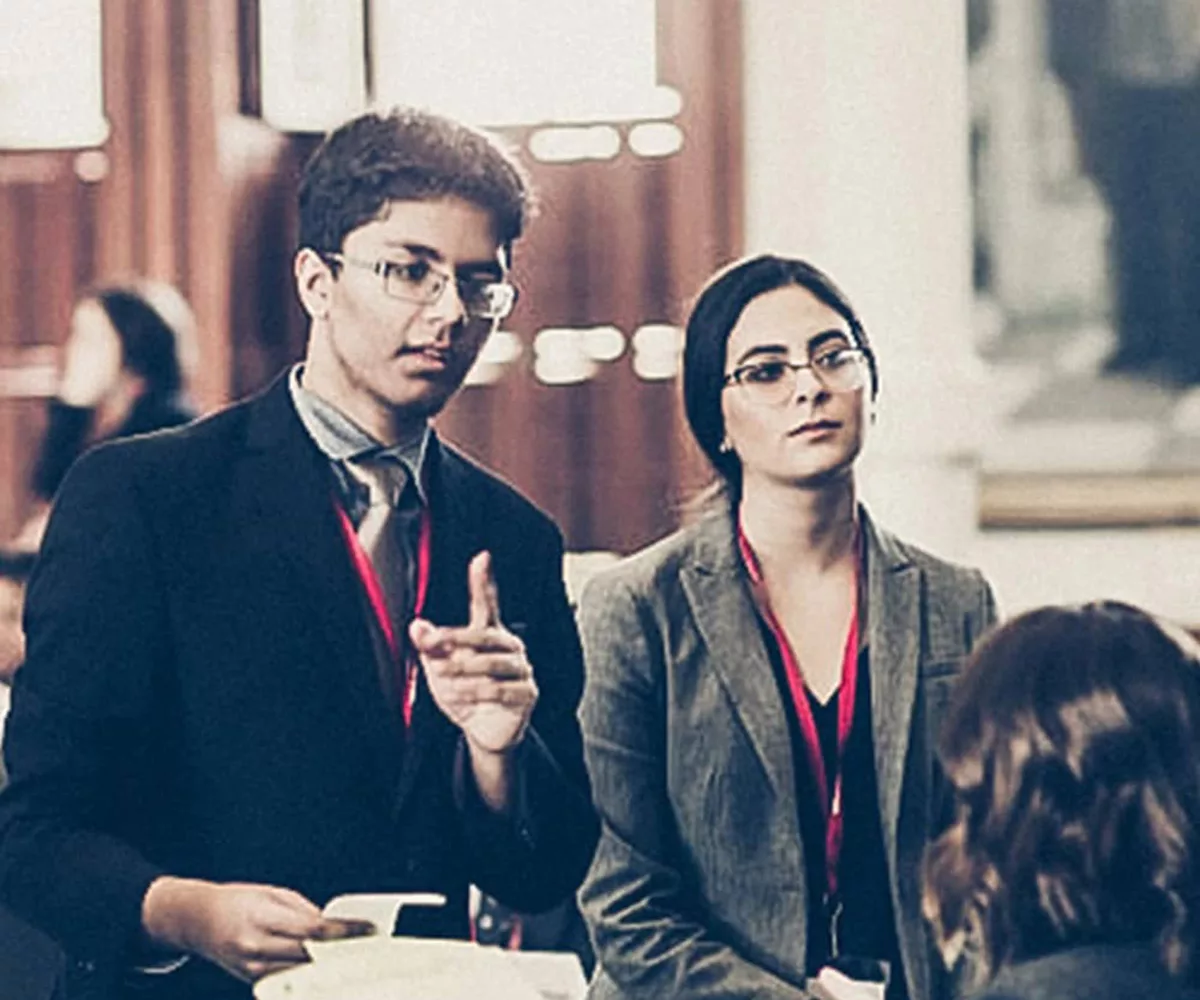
938,571
657,570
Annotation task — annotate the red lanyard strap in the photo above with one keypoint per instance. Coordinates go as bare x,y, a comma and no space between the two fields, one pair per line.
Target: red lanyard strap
374,590
830,803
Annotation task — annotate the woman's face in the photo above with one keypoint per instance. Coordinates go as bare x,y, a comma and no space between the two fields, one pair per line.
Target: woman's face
94,344
785,427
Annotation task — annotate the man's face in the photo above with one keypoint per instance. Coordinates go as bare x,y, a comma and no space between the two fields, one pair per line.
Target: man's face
378,353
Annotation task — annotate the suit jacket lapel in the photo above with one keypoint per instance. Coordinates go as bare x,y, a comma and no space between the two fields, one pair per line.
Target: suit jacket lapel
894,628
724,614
289,496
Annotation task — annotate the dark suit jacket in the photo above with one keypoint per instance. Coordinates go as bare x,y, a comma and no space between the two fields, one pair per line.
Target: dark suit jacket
201,698
1098,972
698,885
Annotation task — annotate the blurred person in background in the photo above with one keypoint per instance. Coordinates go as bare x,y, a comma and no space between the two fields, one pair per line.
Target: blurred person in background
1132,70
763,686
303,648
126,364
1072,867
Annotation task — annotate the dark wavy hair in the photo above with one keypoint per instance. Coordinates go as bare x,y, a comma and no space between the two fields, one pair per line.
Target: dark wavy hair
709,325
1073,748
407,154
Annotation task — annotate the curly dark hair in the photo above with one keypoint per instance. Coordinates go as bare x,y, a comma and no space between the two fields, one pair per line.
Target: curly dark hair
709,325
407,154
1073,748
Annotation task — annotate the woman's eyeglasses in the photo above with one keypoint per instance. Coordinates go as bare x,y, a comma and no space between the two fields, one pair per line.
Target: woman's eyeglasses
843,369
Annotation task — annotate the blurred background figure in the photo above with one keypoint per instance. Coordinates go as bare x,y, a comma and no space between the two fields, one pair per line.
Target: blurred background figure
125,367
126,363
1073,748
1132,70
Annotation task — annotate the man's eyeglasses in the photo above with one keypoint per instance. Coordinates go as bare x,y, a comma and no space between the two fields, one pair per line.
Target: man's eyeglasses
483,297
773,383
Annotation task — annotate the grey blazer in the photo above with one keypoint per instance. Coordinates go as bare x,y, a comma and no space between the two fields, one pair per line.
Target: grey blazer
697,888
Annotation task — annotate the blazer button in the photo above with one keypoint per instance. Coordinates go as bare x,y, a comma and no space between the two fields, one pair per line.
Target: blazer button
411,866
85,965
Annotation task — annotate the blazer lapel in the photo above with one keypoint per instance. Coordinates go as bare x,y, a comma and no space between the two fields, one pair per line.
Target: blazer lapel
724,614
290,511
894,630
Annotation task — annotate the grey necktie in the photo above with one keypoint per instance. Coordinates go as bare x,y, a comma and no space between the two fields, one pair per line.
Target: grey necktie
387,534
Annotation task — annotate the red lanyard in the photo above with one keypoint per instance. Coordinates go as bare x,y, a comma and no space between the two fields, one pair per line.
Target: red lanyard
831,806
370,581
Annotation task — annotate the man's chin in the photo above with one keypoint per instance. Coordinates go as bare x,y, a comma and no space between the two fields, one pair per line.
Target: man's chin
423,400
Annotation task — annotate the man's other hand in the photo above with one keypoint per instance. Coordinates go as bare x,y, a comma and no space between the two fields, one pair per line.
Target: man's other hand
248,930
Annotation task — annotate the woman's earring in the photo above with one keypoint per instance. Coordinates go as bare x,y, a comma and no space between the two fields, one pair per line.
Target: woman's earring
725,447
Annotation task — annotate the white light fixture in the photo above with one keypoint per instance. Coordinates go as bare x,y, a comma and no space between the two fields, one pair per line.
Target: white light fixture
519,62
567,144
654,139
657,349
311,63
51,82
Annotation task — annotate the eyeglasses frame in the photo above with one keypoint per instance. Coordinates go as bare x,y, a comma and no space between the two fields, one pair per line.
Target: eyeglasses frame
380,267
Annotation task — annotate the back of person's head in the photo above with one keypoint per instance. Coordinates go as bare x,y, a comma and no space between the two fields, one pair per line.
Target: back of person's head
157,330
407,155
712,319
1072,745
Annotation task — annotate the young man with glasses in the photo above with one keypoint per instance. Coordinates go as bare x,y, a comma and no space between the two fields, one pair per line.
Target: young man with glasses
304,648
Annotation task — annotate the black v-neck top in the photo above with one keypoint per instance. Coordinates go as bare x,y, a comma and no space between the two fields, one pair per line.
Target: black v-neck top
868,924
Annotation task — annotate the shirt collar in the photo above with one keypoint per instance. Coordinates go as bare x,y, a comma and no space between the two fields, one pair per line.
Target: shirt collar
342,440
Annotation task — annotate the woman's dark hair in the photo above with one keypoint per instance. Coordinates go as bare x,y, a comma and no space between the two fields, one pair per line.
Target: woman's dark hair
154,326
713,318
407,155
1071,745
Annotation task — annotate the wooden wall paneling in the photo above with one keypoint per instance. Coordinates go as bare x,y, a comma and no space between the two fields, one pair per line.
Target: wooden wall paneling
157,150
623,478
116,230
12,275
546,454
700,53
206,37
49,246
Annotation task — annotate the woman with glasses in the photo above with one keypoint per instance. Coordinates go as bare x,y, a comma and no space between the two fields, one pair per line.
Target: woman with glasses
763,687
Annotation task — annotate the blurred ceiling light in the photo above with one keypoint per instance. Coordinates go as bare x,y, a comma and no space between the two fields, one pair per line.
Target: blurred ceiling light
560,358
500,350
656,351
656,138
603,343
92,165
519,62
311,63
51,86
567,144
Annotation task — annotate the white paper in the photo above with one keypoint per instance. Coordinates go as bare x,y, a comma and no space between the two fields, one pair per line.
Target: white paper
378,908
556,975
838,986
401,968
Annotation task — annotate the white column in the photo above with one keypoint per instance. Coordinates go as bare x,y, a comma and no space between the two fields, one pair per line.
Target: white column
856,146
